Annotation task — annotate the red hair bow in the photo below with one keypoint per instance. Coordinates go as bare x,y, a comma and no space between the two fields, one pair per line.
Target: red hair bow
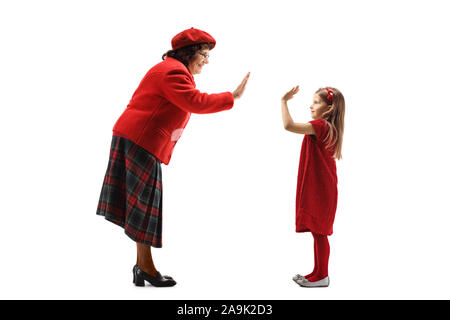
330,95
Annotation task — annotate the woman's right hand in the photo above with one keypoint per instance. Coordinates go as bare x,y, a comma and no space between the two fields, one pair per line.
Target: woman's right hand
290,94
240,89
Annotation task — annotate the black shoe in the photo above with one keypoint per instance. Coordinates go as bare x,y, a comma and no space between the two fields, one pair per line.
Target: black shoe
157,281
134,274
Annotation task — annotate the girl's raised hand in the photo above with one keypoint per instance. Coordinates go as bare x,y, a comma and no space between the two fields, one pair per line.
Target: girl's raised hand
290,94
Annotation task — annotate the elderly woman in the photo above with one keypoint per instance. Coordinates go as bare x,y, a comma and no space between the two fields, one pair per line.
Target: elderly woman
145,135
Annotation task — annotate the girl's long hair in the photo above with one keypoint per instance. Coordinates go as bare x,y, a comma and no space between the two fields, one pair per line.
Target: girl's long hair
334,118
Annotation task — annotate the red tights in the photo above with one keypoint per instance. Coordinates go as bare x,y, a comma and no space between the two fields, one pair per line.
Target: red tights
321,255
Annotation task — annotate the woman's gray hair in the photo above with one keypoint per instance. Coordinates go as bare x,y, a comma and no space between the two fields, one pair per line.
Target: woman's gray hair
185,54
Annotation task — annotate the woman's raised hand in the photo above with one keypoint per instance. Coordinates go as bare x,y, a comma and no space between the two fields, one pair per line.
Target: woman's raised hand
290,94
240,89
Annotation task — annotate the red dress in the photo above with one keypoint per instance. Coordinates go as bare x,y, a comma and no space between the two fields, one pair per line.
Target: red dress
317,183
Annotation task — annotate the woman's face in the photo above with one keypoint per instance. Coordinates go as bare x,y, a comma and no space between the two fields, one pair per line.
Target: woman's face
198,61
318,107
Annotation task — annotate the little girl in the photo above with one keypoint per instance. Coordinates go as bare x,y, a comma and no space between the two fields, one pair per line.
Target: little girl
317,180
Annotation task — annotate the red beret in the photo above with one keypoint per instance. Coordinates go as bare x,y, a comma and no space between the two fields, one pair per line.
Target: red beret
191,36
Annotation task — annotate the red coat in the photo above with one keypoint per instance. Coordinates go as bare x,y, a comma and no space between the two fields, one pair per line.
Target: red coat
162,105
317,183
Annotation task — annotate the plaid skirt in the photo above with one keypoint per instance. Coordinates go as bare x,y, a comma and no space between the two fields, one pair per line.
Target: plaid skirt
131,195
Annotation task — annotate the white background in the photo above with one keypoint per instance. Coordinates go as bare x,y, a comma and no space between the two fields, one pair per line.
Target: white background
68,70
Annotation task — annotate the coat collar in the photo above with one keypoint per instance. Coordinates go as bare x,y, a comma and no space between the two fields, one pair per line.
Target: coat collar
178,62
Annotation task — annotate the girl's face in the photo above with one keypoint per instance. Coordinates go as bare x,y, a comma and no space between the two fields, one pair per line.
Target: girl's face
198,61
318,107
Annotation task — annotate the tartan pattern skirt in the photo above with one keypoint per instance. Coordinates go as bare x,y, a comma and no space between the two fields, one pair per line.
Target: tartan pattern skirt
131,195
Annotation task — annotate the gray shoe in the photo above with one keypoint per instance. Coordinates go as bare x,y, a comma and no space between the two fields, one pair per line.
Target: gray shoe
298,277
325,282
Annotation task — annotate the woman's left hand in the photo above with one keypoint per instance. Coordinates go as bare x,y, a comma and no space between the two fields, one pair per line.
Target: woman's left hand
240,89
